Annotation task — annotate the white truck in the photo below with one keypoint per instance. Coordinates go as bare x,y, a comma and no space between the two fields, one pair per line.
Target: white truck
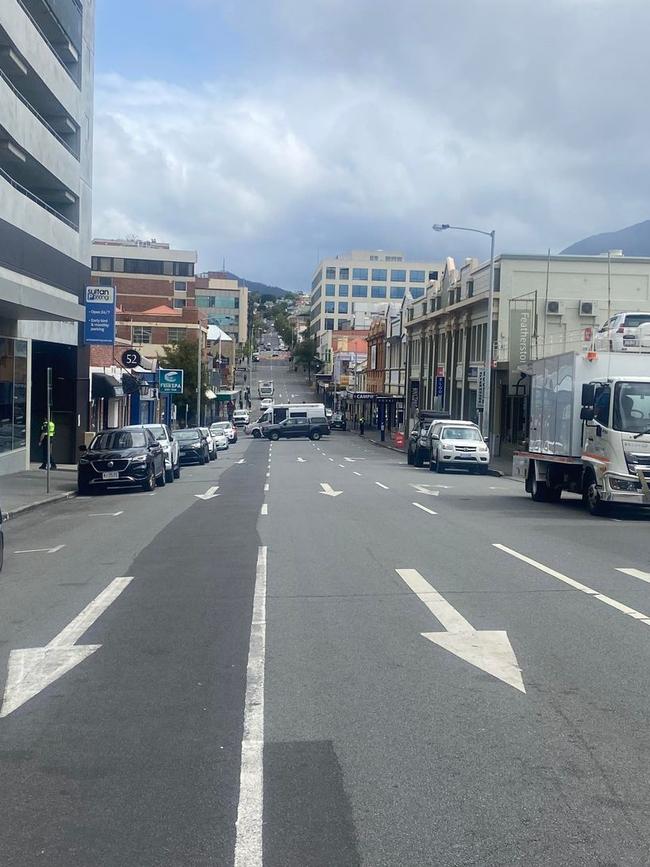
279,411
265,389
589,429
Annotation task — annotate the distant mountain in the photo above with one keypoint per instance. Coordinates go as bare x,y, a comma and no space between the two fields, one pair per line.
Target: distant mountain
253,286
633,241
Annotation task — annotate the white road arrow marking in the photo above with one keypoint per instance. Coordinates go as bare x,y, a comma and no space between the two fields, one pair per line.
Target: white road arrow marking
349,460
489,650
302,461
636,573
328,490
423,490
241,461
209,494
31,670
41,550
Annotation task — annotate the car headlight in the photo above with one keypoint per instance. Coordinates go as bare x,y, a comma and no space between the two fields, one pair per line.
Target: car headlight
138,459
84,459
623,485
483,448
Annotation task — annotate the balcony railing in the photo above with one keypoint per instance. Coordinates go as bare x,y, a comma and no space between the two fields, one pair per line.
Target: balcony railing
34,198
48,43
40,117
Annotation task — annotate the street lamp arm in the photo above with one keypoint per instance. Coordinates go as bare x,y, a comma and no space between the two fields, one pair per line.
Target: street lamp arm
441,227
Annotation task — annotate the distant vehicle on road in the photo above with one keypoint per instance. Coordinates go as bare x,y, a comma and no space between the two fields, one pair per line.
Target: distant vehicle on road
240,417
256,356
625,332
225,427
123,456
268,347
292,428
418,450
339,421
457,444
266,402
265,389
170,447
211,441
277,412
193,446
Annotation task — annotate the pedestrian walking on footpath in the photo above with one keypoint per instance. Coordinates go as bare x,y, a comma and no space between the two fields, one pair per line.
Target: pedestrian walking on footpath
47,433
362,425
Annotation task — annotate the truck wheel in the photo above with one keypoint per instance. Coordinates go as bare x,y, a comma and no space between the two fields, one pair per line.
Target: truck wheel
591,497
257,434
554,495
538,490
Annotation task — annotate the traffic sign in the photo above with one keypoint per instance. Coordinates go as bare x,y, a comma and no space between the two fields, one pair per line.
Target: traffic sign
480,396
170,381
131,358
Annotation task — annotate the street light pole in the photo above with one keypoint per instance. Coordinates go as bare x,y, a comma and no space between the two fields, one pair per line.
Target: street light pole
198,377
487,391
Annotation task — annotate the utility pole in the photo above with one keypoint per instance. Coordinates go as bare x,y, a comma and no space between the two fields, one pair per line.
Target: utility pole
198,378
49,419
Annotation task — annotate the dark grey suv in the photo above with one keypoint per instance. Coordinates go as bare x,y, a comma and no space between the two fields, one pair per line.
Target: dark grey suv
292,428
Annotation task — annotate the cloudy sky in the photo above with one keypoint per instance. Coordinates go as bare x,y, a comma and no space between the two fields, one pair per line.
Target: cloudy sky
269,132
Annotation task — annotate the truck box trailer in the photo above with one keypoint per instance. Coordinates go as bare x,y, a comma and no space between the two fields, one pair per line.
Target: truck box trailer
589,429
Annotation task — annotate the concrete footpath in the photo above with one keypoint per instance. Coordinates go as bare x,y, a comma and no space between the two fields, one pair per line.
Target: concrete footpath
22,492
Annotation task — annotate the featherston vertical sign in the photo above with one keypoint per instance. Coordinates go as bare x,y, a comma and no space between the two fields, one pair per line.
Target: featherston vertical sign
519,340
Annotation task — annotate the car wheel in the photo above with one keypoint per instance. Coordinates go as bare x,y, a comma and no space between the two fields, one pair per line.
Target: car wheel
177,470
591,496
169,476
274,435
150,482
483,471
440,467
161,479
316,435
257,434
201,459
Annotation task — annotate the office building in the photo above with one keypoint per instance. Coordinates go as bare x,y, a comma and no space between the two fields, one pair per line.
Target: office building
46,112
224,300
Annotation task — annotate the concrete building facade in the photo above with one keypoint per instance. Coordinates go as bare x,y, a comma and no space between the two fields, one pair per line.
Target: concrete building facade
224,300
46,111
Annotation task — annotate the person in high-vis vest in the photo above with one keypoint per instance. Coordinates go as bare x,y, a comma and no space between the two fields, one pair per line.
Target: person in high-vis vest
47,432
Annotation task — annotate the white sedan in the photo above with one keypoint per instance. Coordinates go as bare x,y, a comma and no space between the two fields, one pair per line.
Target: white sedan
266,402
226,428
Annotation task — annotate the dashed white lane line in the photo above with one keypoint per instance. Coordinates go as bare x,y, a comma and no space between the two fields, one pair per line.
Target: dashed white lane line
331,459
636,573
424,508
385,487
342,466
356,473
248,841
105,514
266,487
268,475
613,603
265,509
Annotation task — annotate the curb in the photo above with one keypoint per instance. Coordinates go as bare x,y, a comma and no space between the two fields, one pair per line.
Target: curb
22,510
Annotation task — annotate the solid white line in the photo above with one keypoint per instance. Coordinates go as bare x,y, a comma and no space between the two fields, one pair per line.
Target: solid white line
57,548
104,514
449,618
636,573
265,509
85,619
356,473
248,842
385,487
266,487
613,603
424,508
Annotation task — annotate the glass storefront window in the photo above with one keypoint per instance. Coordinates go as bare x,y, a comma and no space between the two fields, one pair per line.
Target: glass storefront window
13,393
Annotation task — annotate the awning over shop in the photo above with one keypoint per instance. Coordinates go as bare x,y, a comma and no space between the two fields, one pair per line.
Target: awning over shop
215,333
106,386
227,395
210,394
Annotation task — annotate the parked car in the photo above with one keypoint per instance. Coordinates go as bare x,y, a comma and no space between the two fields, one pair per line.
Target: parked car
225,427
266,402
170,447
123,456
220,438
418,450
624,332
211,441
291,428
2,543
457,444
338,421
192,446
240,417
256,356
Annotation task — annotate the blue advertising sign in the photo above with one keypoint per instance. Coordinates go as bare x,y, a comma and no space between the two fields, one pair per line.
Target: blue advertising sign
440,386
99,326
170,381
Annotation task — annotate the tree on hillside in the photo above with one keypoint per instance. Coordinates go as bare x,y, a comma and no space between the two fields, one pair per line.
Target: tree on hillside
306,353
183,356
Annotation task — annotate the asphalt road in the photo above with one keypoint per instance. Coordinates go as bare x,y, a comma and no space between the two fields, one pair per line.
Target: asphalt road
482,706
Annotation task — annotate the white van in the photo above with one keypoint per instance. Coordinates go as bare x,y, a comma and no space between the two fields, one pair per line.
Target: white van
279,411
265,389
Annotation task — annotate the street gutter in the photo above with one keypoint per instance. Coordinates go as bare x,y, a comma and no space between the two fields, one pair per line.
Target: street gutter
29,507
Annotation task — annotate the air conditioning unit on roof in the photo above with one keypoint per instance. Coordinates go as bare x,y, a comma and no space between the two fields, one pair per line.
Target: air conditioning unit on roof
554,308
588,308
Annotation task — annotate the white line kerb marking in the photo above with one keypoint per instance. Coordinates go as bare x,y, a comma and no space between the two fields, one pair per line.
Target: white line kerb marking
424,508
248,842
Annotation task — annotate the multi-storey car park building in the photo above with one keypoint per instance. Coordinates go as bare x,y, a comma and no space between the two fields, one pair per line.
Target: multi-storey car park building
46,96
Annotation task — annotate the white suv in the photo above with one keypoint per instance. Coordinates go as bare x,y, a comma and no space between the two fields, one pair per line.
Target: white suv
625,332
459,445
170,447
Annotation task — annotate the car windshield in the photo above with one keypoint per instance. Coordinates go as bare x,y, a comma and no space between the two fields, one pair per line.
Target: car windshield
632,406
158,431
187,435
461,433
118,439
220,426
633,320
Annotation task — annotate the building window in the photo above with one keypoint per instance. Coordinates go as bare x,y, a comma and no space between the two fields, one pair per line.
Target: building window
344,273
375,259
378,292
344,325
433,275
205,300
13,391
102,263
118,265
417,291
396,291
398,275
317,279
105,281
330,273
180,286
359,291
179,302
470,288
330,290
344,290
379,274
175,335
142,333
359,273
183,269
316,295
343,306
329,325
416,276
497,279
394,258
329,306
